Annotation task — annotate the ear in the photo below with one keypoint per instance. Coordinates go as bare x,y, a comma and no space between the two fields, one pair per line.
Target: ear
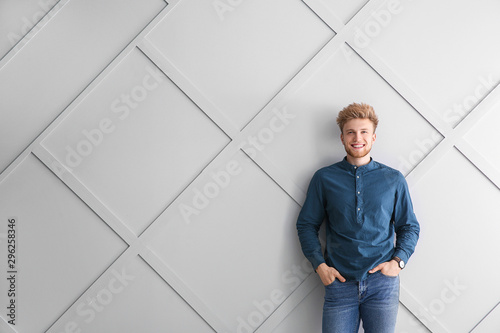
374,137
342,137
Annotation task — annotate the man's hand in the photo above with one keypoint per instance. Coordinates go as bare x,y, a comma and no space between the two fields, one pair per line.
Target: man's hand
328,274
389,268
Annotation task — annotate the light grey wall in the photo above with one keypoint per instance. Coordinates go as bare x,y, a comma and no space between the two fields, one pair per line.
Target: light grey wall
154,157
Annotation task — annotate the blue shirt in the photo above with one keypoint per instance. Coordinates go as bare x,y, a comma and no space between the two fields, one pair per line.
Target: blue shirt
364,208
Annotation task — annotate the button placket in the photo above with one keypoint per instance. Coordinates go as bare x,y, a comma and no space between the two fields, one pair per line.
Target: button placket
359,198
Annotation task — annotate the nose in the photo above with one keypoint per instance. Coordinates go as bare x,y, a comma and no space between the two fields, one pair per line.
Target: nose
358,137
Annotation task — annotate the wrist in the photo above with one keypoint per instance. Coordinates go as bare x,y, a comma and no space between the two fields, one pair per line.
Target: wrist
400,263
321,267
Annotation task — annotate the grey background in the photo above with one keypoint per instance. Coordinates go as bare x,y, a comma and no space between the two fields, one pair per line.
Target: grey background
156,155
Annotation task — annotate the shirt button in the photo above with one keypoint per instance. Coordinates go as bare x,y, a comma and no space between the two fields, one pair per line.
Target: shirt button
359,192
357,176
359,208
355,167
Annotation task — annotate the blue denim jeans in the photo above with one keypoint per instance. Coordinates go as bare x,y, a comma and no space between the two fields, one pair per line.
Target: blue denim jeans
375,301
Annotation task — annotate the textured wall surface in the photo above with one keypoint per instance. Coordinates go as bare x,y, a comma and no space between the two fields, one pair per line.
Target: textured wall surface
154,157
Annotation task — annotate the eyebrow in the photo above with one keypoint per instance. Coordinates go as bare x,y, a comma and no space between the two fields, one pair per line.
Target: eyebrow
361,129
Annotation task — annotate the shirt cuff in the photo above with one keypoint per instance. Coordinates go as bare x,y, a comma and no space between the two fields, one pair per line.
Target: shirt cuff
316,262
401,254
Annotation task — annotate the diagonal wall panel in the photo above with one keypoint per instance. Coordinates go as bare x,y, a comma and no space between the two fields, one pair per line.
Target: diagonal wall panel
315,136
336,12
441,49
60,61
464,216
107,139
227,54
18,19
482,134
489,324
237,227
132,298
52,269
191,130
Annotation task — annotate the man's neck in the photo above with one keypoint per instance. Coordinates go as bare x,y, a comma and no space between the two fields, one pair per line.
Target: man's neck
358,161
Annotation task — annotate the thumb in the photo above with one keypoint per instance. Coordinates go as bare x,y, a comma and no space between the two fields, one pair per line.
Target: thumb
341,278
378,268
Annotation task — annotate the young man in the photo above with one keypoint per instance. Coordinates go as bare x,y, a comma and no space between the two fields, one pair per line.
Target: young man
365,204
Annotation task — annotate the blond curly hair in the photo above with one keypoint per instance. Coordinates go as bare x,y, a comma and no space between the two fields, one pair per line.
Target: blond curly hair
357,111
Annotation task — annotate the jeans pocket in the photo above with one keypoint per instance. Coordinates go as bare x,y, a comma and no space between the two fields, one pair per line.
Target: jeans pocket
388,276
329,285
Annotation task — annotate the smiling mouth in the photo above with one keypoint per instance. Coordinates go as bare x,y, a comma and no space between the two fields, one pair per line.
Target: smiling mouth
357,146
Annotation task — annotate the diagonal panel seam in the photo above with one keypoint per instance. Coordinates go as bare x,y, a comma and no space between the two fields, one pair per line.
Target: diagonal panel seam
32,32
191,299
125,256
482,165
289,304
401,87
188,88
87,89
454,137
482,319
5,327
327,16
410,302
85,195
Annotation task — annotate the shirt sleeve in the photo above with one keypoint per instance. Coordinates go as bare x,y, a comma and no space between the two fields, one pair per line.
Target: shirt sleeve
309,221
405,222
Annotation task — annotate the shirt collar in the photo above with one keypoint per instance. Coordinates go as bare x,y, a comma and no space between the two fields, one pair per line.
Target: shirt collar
367,167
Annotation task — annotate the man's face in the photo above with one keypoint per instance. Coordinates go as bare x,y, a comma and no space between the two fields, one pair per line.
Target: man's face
357,137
